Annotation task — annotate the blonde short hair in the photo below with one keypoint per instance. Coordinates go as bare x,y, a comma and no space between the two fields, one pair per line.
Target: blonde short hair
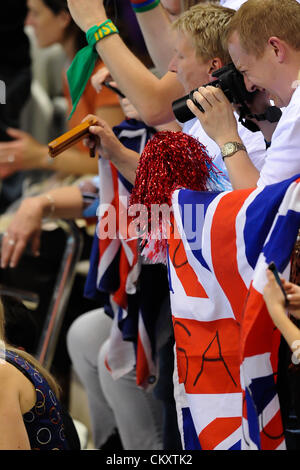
257,20
206,25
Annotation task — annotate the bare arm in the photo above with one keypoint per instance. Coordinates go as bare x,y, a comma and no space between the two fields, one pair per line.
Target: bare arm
152,97
126,162
72,161
220,124
155,26
26,224
275,303
24,152
13,434
109,147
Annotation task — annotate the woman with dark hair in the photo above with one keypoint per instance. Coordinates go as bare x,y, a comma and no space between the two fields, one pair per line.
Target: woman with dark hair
53,24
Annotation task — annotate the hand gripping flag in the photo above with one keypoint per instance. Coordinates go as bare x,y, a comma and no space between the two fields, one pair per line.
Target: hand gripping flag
226,343
115,267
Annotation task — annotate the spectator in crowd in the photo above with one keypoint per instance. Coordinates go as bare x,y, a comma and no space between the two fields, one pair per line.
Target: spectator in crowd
151,96
53,24
144,430
15,76
270,64
277,308
31,416
199,51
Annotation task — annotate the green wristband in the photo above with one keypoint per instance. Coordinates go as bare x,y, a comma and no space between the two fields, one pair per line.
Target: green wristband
84,62
146,5
98,32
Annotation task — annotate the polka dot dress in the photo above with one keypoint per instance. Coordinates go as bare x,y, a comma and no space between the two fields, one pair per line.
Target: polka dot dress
43,422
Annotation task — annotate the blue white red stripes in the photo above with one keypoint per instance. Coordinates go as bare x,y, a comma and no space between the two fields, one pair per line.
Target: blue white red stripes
115,264
226,343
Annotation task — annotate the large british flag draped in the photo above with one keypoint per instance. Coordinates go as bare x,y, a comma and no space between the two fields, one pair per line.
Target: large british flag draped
115,266
226,343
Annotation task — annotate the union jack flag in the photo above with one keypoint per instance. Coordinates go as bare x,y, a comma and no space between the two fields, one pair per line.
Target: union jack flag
226,343
115,266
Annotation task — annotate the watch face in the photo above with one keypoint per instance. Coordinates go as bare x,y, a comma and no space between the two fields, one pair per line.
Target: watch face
228,148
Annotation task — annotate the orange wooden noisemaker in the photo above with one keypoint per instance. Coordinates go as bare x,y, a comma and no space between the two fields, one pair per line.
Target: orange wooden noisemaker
70,138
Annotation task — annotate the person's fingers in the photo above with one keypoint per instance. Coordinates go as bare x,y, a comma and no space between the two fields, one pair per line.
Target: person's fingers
13,246
97,130
193,108
88,142
216,93
7,248
211,95
7,146
36,243
17,252
202,100
15,133
7,158
6,171
89,117
99,77
288,286
270,275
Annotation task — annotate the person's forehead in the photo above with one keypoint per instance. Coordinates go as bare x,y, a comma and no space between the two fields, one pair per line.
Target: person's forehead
237,53
184,43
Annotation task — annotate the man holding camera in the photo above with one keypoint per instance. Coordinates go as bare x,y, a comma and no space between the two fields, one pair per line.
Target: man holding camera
199,53
264,44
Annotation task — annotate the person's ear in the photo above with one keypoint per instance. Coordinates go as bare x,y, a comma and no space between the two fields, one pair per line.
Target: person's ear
278,48
214,65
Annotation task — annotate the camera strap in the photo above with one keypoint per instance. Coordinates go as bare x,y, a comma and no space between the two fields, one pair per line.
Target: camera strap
272,114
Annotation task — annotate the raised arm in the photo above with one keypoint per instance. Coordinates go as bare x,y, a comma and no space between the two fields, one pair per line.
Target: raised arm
155,26
151,96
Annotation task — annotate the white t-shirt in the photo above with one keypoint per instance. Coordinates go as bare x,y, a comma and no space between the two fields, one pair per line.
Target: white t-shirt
234,4
283,157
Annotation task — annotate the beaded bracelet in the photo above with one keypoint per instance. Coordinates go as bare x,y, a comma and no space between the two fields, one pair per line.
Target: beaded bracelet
140,6
52,203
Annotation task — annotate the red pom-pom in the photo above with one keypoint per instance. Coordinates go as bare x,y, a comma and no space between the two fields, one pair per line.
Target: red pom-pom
170,160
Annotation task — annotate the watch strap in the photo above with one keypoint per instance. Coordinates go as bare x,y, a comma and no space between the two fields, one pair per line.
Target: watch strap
237,146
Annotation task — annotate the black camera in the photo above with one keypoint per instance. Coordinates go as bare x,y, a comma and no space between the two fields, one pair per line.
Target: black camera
231,82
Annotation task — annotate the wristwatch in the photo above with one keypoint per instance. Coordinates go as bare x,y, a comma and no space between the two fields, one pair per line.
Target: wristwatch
230,148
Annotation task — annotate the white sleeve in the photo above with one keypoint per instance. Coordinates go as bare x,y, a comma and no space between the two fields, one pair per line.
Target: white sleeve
234,4
283,157
255,145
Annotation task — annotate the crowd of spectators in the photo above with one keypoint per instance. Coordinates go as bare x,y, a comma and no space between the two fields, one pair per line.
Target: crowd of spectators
186,42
